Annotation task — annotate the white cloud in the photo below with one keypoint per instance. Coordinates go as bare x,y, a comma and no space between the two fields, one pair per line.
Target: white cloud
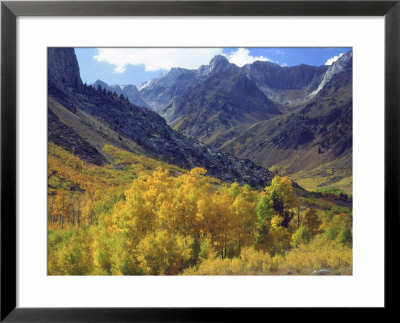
333,59
155,59
242,57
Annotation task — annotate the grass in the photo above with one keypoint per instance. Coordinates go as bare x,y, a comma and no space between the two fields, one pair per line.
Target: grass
330,177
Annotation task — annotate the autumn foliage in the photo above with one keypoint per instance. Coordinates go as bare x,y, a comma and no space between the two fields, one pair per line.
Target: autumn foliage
140,216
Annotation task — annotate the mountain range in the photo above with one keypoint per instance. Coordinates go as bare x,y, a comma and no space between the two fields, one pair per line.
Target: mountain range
294,120
82,119
236,122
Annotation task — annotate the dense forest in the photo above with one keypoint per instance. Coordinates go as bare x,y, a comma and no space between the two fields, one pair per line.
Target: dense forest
141,216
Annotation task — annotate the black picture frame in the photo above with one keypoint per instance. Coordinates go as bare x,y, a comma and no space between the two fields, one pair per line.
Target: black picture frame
10,10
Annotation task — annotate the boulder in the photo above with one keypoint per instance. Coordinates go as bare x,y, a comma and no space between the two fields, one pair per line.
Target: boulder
321,272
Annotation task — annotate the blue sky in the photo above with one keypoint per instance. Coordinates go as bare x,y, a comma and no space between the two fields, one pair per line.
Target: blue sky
137,65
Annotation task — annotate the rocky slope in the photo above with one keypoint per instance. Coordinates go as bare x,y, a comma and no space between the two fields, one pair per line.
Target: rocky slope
344,63
317,132
221,102
160,91
286,85
90,110
64,136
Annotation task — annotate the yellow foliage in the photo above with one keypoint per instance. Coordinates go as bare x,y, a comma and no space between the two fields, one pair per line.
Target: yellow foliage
70,254
250,262
141,216
162,253
282,186
276,221
319,253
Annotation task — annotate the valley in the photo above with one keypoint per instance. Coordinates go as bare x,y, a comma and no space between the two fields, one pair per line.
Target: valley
292,120
219,170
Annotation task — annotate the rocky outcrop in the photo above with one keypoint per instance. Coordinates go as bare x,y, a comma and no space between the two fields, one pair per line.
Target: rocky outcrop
321,272
63,69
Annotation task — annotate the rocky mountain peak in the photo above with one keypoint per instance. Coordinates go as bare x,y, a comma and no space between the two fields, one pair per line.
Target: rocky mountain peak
219,60
217,64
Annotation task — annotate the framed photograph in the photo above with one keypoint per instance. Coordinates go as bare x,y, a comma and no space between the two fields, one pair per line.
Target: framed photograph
197,157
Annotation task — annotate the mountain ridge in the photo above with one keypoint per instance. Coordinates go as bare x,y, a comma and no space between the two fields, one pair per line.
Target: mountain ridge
129,91
144,127
299,80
